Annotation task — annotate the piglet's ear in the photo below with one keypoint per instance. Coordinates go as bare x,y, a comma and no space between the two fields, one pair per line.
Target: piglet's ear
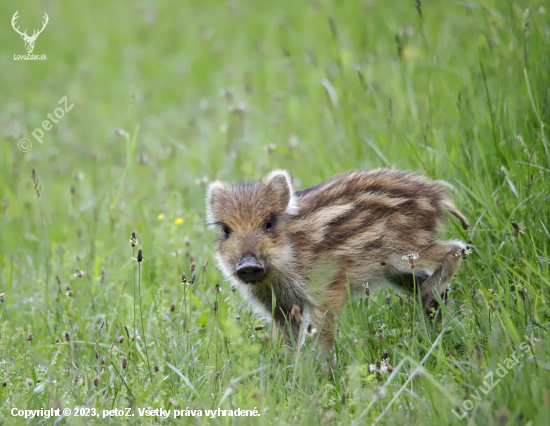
280,182
213,200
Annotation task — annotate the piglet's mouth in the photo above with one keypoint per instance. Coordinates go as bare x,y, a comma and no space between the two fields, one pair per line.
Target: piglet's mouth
249,269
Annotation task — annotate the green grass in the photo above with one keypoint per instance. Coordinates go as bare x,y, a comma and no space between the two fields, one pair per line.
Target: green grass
460,93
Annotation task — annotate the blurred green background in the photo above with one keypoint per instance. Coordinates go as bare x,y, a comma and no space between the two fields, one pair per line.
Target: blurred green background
169,96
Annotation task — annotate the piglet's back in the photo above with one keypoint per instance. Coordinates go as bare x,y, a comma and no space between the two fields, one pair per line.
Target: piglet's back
364,211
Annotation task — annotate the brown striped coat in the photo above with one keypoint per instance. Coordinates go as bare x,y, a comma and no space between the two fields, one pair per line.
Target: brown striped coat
305,247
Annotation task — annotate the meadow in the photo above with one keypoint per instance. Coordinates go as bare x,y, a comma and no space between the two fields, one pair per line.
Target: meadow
168,96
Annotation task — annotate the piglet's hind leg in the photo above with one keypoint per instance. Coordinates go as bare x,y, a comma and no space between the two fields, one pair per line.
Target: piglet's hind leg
446,257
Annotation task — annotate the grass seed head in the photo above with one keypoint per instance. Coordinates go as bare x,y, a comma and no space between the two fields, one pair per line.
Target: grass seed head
204,266
96,381
124,363
67,336
192,280
30,336
464,252
418,4
411,258
172,307
133,240
310,331
139,256
2,297
183,278
518,230
259,327
502,415
478,353
525,23
238,107
36,181
121,339
4,205
192,268
217,288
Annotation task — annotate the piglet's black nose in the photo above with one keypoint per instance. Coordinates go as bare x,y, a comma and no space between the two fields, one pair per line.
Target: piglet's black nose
250,270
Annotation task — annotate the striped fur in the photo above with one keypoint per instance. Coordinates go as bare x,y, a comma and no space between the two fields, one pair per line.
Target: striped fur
353,228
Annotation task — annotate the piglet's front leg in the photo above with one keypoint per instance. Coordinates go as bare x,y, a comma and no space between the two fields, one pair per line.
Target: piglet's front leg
324,318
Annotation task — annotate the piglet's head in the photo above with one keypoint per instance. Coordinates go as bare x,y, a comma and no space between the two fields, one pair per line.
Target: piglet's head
250,221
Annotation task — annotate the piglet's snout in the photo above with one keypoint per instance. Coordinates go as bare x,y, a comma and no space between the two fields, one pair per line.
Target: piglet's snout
249,269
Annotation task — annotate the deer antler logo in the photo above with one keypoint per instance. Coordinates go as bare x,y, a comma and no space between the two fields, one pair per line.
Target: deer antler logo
29,40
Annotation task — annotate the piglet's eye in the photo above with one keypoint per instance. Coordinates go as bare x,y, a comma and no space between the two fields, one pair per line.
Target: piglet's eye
226,231
268,224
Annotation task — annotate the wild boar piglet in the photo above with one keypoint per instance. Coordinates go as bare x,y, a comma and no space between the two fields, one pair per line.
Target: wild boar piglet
305,247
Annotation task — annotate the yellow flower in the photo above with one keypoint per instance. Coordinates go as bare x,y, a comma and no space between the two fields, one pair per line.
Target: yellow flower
178,221
160,217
